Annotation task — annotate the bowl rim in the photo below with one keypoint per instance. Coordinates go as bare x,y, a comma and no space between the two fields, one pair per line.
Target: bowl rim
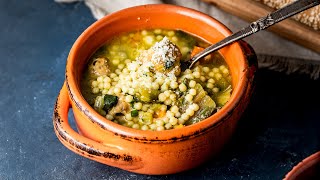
166,136
303,165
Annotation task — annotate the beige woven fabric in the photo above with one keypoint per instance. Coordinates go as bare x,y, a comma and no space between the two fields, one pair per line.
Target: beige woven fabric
310,17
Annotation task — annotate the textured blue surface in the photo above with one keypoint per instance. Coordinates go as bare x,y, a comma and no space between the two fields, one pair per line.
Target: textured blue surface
279,129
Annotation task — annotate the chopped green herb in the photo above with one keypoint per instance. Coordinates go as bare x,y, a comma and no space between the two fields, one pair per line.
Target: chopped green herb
134,113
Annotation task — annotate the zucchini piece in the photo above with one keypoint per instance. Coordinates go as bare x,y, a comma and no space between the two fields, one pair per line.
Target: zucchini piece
98,103
207,106
183,104
146,118
200,93
223,83
158,112
146,94
223,97
155,107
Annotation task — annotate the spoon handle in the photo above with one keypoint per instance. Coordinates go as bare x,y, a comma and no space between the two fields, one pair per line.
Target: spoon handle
258,25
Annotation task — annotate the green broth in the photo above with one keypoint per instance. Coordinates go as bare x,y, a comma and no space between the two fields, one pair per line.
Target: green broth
119,86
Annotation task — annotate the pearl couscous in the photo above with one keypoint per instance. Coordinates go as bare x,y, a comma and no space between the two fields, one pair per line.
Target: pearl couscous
135,80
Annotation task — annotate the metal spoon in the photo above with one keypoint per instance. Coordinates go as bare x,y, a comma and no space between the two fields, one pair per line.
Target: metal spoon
254,27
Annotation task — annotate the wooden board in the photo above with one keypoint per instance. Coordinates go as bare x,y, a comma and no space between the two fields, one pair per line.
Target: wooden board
250,11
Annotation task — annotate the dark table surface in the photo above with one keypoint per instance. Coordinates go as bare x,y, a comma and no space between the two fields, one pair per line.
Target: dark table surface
279,129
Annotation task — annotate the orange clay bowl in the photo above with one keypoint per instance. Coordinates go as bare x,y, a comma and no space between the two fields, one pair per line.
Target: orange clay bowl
149,152
309,168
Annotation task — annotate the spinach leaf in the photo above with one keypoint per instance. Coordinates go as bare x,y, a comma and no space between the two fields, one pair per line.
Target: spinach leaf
109,102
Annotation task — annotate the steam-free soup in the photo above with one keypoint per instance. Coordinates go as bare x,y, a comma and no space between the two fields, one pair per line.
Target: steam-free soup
135,80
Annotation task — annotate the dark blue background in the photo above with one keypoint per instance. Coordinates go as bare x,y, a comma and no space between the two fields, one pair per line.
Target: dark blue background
280,128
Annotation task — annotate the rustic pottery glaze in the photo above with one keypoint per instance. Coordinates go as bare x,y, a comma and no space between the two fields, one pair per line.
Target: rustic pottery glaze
149,152
309,168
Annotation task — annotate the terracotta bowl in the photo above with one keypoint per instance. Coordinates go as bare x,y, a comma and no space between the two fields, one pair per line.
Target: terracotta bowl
309,168
149,152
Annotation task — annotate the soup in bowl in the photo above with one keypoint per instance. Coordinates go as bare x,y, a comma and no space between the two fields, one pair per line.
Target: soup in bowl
135,80
133,106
